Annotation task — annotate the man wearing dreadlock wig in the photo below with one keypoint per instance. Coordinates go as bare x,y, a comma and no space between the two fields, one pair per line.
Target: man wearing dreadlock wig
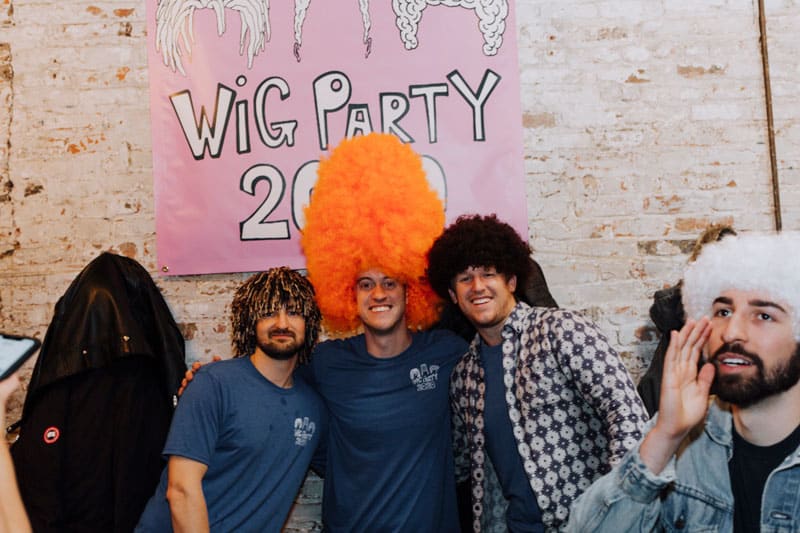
723,452
244,433
371,219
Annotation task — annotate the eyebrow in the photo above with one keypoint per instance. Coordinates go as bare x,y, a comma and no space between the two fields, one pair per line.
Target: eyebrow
766,303
755,303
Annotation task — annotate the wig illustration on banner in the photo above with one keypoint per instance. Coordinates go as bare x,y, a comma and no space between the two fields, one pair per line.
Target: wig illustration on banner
175,24
371,208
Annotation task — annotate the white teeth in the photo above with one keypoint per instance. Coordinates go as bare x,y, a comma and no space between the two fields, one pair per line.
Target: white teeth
735,361
478,301
380,308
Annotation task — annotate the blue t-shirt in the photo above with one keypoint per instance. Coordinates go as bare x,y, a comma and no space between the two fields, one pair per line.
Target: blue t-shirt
523,514
256,438
390,454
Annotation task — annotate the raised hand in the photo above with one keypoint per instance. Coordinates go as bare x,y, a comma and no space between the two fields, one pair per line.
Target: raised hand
189,376
684,394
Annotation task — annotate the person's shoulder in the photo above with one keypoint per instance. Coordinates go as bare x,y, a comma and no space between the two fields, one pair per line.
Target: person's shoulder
332,346
223,372
335,352
557,314
443,346
442,338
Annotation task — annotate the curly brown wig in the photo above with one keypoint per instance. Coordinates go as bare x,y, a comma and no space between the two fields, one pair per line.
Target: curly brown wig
372,207
478,241
264,293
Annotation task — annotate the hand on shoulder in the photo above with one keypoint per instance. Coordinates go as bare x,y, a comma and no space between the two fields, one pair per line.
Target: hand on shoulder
189,376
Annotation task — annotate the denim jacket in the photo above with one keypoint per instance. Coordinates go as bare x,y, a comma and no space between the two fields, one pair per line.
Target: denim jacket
693,493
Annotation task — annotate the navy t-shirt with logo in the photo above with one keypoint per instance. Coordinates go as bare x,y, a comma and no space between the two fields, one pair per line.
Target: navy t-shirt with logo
389,453
256,438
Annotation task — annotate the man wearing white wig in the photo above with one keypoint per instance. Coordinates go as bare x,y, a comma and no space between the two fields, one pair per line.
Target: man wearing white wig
731,461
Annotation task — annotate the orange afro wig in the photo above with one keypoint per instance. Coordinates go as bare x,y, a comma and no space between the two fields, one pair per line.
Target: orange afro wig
371,208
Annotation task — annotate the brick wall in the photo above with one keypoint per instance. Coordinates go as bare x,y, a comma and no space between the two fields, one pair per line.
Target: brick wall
644,121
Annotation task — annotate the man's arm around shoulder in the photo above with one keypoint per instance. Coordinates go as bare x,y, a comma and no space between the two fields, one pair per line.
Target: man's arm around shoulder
187,504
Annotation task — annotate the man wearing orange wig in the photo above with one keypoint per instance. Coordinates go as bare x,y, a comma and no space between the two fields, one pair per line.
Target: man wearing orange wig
389,463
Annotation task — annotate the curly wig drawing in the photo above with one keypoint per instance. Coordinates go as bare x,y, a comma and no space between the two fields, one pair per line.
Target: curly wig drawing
478,241
371,208
266,292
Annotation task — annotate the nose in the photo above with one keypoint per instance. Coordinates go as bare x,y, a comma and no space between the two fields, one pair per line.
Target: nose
477,284
378,293
734,329
282,319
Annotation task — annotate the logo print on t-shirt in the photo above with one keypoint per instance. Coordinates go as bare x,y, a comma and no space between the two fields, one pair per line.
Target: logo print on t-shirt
425,377
303,430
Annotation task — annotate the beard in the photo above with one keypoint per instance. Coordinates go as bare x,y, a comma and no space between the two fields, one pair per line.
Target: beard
279,351
746,391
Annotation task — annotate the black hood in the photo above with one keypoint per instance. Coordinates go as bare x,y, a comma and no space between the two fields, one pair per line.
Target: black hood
667,310
112,310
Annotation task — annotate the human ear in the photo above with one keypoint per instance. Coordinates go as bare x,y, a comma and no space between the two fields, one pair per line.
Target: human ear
453,296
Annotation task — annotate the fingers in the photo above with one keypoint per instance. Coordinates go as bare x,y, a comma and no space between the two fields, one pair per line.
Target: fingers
705,377
189,375
686,345
697,339
7,387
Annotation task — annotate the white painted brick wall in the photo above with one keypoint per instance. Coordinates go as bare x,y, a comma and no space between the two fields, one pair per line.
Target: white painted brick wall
644,121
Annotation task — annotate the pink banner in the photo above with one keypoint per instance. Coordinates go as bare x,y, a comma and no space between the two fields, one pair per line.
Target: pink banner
246,96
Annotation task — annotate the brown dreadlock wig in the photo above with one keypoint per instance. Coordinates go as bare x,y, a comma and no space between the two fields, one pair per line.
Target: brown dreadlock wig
266,292
372,208
478,241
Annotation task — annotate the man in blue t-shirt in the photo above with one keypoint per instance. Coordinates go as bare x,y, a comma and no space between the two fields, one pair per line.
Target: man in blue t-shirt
244,433
389,461
389,458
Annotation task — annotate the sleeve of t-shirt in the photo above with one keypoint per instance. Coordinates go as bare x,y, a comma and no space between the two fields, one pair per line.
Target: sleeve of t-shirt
197,420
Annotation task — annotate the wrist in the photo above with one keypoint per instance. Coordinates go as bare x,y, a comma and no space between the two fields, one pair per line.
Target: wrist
658,447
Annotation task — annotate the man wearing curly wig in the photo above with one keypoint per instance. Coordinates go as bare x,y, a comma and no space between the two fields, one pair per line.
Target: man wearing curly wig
542,404
730,462
244,433
372,217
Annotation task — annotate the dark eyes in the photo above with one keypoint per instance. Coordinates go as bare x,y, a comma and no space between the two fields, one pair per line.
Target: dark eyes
724,313
365,285
368,284
290,312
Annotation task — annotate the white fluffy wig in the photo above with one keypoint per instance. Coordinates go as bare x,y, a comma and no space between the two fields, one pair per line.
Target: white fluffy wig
768,262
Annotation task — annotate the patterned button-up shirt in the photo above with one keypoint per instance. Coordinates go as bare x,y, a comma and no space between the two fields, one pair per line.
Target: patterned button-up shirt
573,408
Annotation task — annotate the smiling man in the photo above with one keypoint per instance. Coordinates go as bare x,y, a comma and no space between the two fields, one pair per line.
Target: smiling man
731,464
542,404
244,433
389,462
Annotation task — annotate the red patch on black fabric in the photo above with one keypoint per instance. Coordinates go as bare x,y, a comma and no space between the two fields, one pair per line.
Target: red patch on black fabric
51,435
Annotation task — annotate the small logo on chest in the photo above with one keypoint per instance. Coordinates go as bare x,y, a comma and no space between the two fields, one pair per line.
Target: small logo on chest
303,430
424,377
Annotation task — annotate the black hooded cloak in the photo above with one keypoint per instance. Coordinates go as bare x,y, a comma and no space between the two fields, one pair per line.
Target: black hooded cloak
100,401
